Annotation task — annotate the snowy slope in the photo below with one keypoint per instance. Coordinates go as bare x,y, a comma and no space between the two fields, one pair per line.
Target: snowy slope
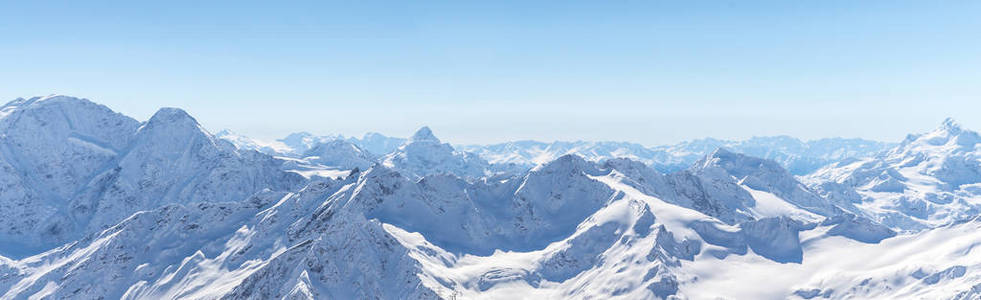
940,263
570,228
173,160
424,154
271,245
71,167
164,210
50,147
928,180
340,154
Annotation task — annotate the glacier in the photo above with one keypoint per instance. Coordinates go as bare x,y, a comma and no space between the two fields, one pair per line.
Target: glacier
97,205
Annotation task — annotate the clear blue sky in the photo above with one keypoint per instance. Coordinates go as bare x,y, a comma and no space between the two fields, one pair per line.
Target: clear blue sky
643,71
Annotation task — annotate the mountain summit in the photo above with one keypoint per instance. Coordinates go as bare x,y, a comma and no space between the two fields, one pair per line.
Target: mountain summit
423,154
950,123
424,134
927,180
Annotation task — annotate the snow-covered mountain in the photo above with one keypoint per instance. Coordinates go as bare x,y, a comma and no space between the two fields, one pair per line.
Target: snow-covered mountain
296,145
928,180
71,167
377,143
357,236
301,142
341,154
532,153
799,157
277,148
98,205
50,149
424,154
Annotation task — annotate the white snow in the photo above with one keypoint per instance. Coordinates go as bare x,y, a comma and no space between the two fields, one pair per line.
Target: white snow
845,268
926,181
769,205
97,205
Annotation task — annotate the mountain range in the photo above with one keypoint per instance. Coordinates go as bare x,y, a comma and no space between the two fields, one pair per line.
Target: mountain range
97,205
798,157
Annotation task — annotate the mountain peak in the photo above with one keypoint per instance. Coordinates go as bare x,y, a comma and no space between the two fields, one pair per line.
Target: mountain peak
950,125
737,164
21,103
720,156
949,132
171,121
172,115
424,134
721,152
567,163
59,98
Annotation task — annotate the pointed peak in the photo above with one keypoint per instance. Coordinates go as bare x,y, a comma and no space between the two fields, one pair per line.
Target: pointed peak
169,124
170,115
174,118
718,155
950,125
424,134
720,152
949,131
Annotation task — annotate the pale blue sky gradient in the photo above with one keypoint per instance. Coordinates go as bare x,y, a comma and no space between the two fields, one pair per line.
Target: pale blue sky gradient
643,71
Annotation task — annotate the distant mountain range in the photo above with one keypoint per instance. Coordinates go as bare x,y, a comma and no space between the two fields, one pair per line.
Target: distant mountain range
798,157
97,205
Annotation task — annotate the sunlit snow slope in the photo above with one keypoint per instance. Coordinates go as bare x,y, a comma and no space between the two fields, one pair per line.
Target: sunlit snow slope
96,205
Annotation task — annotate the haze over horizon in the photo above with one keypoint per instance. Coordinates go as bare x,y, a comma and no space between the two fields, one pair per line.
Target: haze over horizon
650,73
440,136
